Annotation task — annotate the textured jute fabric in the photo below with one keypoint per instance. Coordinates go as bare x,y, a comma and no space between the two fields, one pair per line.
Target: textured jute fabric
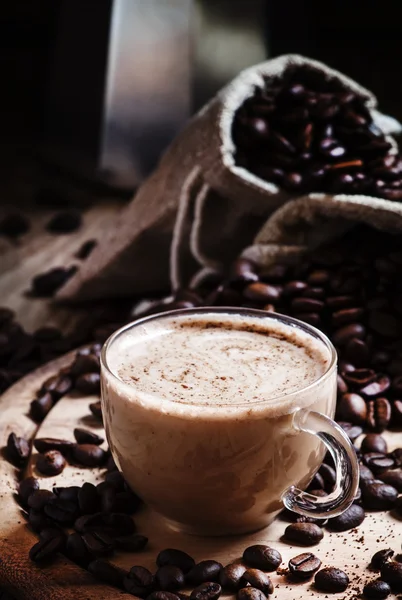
199,209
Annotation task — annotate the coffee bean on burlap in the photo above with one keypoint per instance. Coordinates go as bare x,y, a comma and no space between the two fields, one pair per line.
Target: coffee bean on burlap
89,522
169,578
380,557
209,590
305,534
107,572
257,579
46,444
139,582
63,512
377,589
304,565
50,463
46,549
77,550
84,436
39,498
89,455
379,496
250,593
391,572
177,558
262,557
50,532
230,577
352,517
88,499
27,486
206,570
331,580
17,450
98,542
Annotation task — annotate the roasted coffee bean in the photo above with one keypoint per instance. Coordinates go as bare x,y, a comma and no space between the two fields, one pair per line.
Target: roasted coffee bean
392,478
163,596
342,387
261,292
89,522
14,225
257,579
177,558
344,334
391,572
50,463
57,386
365,475
84,436
41,406
64,222
380,557
88,499
96,410
89,455
250,593
262,557
107,572
397,456
352,431
46,284
304,565
378,414
26,488
119,523
88,384
98,542
67,493
377,589
305,534
357,352
329,476
206,570
39,498
360,377
85,250
116,480
61,511
352,517
131,543
85,363
139,582
46,549
46,444
378,462
169,578
209,590
375,388
353,408
331,580
373,442
77,550
17,450
230,577
379,496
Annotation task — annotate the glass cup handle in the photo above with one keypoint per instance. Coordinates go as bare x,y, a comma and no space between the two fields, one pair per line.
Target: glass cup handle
346,466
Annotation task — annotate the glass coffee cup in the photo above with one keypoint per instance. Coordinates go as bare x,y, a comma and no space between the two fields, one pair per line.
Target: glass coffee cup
217,417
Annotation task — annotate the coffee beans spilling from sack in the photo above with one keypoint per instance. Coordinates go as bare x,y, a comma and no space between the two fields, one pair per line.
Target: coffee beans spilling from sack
305,133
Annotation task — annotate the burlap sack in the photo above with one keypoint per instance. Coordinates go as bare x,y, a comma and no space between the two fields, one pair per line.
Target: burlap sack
198,209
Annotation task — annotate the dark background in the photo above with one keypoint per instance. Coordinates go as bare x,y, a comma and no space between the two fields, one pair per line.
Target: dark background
364,40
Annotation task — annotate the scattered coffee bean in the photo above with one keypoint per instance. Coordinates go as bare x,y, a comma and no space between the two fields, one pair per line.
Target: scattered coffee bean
85,363
305,534
41,407
46,444
67,493
107,572
169,578
13,225
39,498
392,478
257,579
85,250
48,283
177,558
50,463
250,593
46,549
304,565
380,557
377,589
26,488
98,543
373,442
209,590
230,577
17,450
64,222
262,557
379,496
131,543
57,386
84,436
353,408
331,580
391,572
206,570
88,384
139,582
88,499
77,550
96,410
163,596
89,455
352,517
63,512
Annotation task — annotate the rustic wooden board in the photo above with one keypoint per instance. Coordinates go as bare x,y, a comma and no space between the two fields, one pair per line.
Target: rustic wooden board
63,580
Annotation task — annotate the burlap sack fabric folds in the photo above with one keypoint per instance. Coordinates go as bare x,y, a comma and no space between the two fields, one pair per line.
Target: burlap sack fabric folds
199,210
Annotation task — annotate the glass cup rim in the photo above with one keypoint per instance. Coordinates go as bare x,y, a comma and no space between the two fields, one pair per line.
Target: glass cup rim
306,327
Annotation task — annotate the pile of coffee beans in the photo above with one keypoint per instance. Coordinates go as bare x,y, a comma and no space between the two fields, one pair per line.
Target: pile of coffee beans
305,132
